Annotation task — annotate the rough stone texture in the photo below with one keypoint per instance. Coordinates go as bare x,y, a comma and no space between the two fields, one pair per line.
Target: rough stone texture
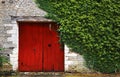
74,62
22,10
8,27
10,8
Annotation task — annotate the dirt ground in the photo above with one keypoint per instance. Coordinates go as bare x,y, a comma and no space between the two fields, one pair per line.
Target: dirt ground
92,75
64,75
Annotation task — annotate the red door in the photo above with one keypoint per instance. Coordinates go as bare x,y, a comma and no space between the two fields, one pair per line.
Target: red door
39,47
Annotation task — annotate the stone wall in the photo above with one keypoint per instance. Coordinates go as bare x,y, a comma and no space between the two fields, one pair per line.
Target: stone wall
8,27
14,39
9,32
74,62
10,8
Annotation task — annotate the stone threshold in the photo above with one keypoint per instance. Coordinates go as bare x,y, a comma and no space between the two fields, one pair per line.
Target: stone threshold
42,73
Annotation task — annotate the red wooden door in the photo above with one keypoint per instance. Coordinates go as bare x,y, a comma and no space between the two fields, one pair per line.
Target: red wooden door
39,47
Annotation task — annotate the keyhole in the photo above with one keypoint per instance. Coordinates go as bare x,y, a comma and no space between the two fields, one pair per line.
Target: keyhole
49,45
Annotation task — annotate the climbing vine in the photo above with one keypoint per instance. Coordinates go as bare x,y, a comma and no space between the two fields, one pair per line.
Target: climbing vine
3,59
90,28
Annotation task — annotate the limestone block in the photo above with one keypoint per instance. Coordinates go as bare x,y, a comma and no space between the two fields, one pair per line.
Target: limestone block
15,51
14,37
66,49
66,58
76,62
6,51
13,22
78,68
15,27
15,66
13,56
2,34
68,62
2,38
5,35
11,31
9,45
8,27
80,58
72,58
71,54
66,67
2,27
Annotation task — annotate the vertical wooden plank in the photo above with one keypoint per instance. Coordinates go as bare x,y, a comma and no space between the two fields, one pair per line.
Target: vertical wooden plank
58,51
29,52
50,47
30,47
20,58
33,35
23,46
45,55
53,55
39,60
39,48
48,57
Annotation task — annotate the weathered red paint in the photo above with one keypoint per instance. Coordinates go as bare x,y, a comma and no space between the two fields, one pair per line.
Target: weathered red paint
39,47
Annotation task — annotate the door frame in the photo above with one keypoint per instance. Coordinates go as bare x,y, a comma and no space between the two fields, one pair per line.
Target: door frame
49,22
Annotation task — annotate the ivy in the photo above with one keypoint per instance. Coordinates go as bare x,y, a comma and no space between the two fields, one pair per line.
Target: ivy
3,59
90,28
